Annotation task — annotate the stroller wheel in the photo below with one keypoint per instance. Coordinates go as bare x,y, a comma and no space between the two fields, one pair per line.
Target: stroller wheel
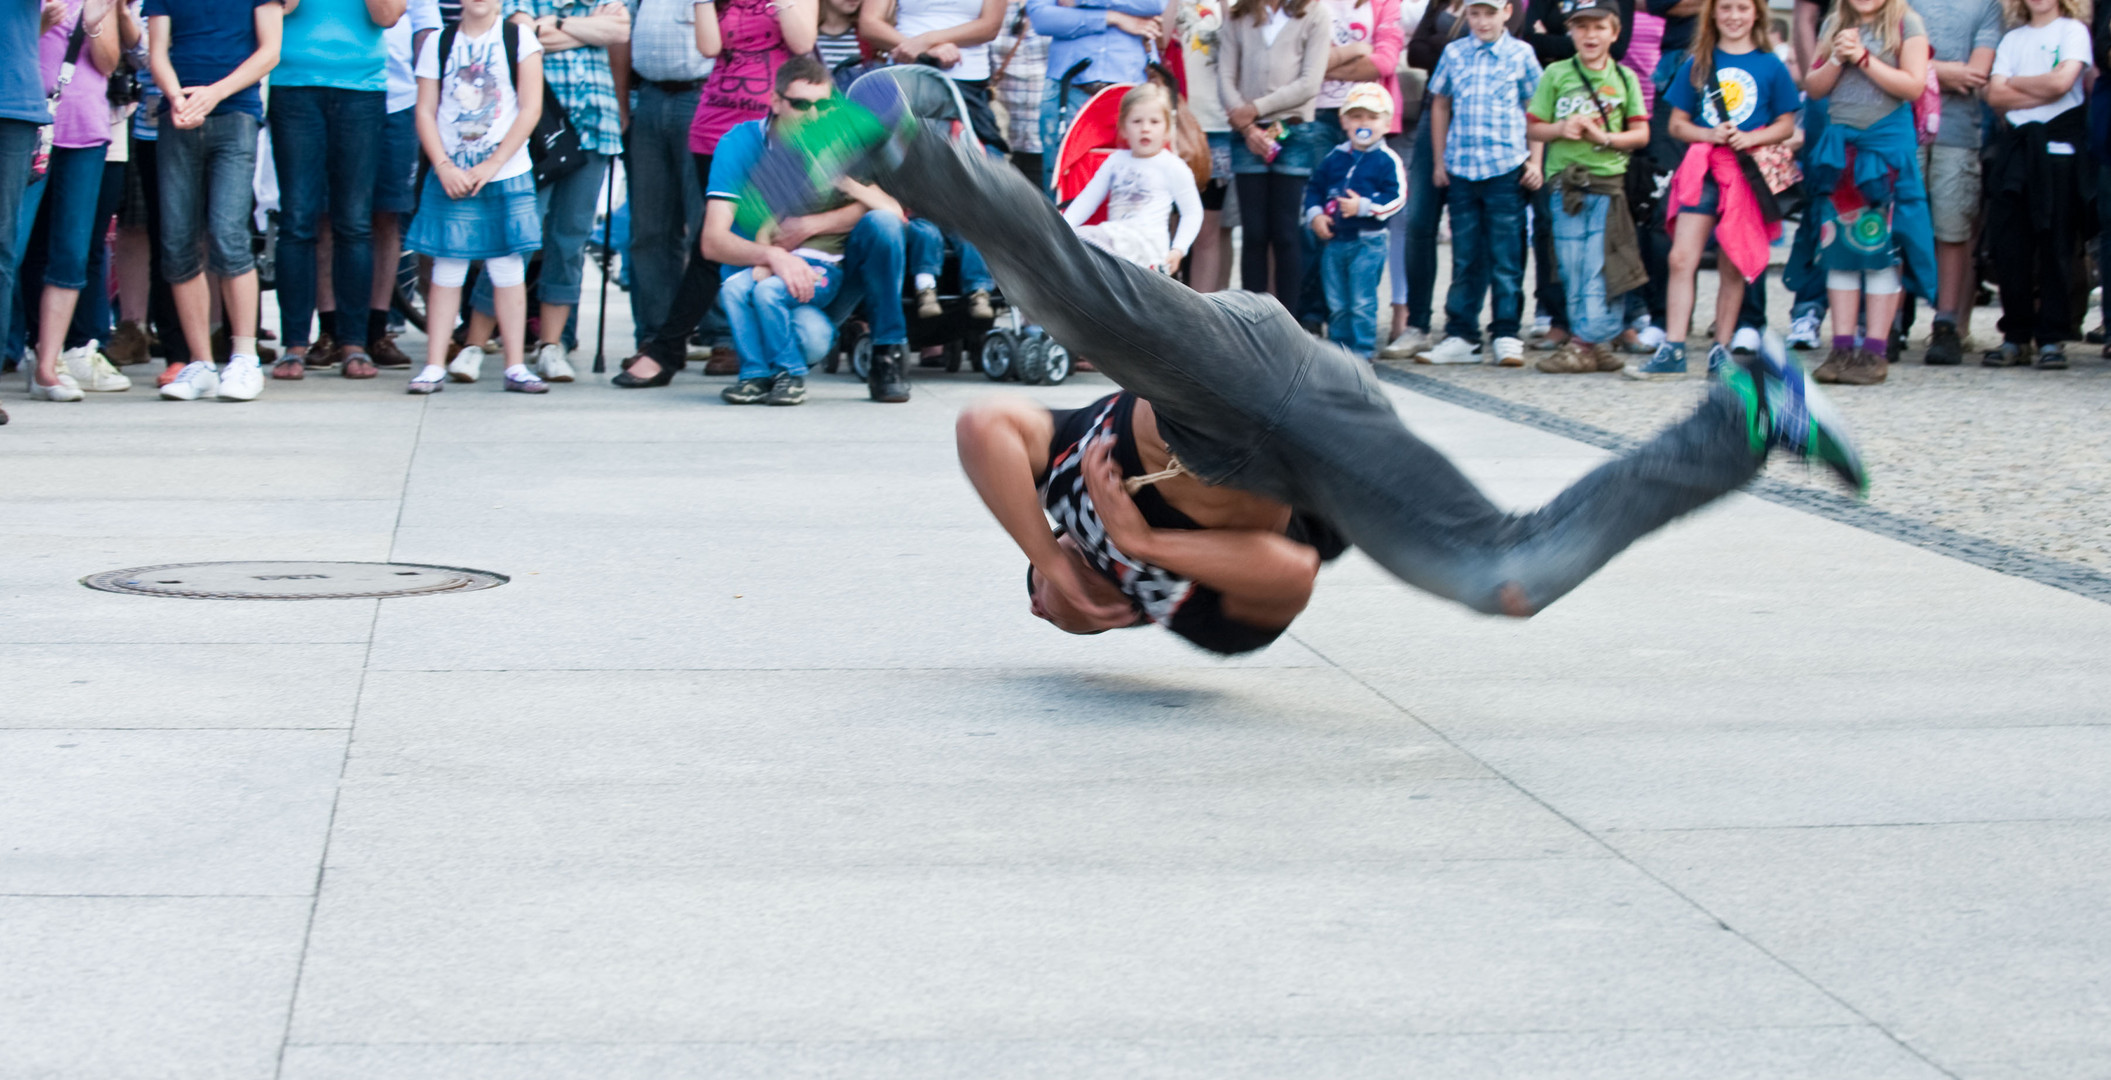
854,337
1055,364
1000,356
861,358
1033,360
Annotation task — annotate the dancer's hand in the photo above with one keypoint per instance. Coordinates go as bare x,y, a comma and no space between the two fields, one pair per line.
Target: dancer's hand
1077,598
1124,523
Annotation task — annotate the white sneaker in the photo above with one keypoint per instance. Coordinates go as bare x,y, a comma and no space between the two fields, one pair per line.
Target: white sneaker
92,371
64,390
1451,350
197,380
1509,352
1745,342
551,364
1410,342
467,365
242,381
1803,333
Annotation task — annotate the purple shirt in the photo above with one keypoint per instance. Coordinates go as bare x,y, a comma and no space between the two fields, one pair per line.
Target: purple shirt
83,116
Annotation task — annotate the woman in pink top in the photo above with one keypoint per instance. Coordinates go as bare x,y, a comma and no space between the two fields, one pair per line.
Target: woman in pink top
72,185
748,39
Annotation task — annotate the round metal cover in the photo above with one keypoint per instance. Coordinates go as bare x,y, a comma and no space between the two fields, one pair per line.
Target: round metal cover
292,580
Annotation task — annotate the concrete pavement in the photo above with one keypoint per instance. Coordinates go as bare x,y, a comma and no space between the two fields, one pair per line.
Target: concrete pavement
759,767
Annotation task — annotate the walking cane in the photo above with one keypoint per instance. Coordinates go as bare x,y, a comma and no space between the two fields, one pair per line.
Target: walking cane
608,242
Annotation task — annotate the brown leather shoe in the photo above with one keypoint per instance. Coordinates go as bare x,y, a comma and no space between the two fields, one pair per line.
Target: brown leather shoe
1604,357
1567,359
385,354
1864,368
321,354
128,346
724,361
1829,371
357,365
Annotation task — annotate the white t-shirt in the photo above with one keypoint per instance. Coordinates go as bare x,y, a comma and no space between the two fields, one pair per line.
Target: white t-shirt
1143,191
913,17
400,39
2036,50
477,102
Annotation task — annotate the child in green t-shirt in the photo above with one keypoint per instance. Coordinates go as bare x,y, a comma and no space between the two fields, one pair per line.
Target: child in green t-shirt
1589,113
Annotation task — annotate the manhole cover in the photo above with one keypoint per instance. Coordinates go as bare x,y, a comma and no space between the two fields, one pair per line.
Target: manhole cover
292,580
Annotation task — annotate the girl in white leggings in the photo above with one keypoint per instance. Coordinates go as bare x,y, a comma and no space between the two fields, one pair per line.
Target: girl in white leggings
479,96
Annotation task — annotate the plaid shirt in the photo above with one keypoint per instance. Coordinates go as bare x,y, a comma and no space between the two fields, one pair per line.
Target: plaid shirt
1020,89
1488,83
663,41
579,77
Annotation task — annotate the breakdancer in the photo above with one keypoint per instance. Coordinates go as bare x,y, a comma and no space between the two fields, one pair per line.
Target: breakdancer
1265,450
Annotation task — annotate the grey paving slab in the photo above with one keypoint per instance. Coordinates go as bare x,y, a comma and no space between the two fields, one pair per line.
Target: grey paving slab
130,988
175,518
1007,953
1749,1054
58,610
191,686
1982,946
165,812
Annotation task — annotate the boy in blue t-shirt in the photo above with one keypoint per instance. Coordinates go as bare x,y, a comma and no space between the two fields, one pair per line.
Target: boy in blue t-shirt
1356,189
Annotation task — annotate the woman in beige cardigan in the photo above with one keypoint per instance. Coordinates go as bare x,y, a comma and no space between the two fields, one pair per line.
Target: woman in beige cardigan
1271,60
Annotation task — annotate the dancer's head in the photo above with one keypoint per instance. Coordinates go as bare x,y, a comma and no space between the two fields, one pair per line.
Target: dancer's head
1364,114
802,88
1146,119
1487,18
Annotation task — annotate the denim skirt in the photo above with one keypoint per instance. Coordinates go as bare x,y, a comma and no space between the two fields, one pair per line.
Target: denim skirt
499,220
1302,147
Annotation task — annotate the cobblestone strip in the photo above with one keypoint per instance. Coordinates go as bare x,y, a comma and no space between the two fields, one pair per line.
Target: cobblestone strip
1978,551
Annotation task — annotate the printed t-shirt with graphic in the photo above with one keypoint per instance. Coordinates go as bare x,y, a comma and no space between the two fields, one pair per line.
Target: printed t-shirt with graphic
2036,50
332,43
1354,23
477,101
1565,90
738,89
1755,87
738,151
208,40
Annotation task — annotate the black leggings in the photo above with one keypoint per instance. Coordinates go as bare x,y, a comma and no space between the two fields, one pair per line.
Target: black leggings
1269,206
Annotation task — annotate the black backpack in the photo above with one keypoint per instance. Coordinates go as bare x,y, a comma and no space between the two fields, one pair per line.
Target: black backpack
554,144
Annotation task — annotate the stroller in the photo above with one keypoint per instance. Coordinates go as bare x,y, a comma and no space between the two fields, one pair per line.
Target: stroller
932,97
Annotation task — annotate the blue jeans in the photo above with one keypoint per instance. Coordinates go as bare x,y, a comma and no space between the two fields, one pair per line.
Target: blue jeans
927,255
567,209
18,144
1549,284
761,316
1810,298
1425,209
1349,266
1579,245
1487,252
326,144
663,190
207,176
73,187
877,255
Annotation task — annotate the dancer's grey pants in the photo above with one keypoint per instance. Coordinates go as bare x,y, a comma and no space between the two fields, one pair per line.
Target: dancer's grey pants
1249,400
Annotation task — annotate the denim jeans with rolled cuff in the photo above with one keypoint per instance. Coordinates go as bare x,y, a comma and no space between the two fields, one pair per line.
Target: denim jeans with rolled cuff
1249,400
207,178
927,255
1349,266
326,146
1487,255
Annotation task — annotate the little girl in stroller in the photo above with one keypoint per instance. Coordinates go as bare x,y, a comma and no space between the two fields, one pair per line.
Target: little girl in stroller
1140,187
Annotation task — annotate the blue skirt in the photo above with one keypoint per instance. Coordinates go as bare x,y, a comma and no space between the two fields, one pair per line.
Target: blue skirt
499,220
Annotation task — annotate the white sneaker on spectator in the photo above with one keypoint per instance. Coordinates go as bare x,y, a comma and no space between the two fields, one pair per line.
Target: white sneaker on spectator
92,371
1451,350
1509,352
1745,342
63,390
197,380
1410,342
1803,332
550,363
467,365
242,381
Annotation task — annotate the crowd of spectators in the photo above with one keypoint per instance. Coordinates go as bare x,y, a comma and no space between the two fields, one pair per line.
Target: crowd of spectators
156,155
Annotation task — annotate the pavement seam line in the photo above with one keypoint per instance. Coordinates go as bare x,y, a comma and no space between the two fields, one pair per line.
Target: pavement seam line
1926,535
1623,857
344,765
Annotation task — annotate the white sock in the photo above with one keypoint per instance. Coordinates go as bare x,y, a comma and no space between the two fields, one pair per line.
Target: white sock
431,373
927,281
239,358
518,371
243,346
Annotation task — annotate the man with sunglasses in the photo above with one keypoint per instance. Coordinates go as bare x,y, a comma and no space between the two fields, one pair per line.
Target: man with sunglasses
855,233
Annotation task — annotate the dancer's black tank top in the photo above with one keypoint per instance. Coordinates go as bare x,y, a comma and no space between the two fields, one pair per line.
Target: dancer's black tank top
1195,612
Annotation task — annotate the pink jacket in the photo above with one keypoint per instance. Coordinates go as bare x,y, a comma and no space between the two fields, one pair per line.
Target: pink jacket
1743,233
1387,39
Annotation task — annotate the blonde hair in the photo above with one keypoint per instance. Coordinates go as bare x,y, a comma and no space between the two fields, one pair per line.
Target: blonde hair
1142,95
1705,35
1888,24
2016,13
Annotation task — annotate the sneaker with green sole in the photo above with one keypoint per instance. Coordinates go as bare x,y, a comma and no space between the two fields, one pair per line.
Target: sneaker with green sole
1794,415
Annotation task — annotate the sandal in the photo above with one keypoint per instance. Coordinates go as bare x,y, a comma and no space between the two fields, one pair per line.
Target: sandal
357,365
290,368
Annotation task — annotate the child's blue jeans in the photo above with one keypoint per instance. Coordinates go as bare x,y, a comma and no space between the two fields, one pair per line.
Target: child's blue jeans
1579,249
1349,268
1487,252
927,255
